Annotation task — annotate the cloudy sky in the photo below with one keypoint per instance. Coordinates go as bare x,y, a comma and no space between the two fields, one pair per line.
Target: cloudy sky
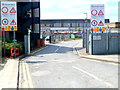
75,9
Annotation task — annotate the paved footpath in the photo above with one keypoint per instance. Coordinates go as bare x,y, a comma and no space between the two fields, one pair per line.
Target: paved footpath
106,58
9,74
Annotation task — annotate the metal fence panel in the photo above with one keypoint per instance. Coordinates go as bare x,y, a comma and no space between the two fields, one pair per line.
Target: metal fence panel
104,43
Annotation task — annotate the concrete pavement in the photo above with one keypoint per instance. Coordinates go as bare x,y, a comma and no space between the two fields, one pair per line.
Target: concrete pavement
9,74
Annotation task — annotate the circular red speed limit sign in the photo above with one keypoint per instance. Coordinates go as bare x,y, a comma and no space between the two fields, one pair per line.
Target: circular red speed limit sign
94,12
94,23
5,21
4,10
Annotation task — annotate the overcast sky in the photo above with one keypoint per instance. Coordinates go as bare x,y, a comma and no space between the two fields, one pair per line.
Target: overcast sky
75,9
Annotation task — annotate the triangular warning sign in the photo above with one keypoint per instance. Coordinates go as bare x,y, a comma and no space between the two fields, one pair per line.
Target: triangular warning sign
13,22
101,23
13,10
100,13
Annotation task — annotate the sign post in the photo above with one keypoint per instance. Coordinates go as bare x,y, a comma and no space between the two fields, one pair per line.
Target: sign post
29,31
9,19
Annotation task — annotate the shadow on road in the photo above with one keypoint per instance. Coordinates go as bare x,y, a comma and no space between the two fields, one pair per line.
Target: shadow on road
35,61
54,49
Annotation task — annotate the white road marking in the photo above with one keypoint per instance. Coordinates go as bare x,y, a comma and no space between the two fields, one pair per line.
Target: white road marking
57,49
93,76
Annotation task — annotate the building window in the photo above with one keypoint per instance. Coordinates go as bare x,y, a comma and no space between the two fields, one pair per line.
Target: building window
73,24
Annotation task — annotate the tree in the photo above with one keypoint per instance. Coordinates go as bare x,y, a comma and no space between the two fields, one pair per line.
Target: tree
78,29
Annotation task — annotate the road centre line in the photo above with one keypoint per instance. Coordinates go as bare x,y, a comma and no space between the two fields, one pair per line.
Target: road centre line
57,49
93,76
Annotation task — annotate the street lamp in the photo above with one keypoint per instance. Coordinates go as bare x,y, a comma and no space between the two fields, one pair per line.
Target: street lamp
86,32
86,15
85,20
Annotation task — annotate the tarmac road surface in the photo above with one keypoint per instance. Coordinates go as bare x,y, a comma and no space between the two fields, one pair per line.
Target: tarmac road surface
57,66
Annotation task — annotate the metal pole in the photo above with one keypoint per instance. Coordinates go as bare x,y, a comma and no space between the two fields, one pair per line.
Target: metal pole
92,42
83,34
14,44
28,44
29,41
39,21
108,43
4,46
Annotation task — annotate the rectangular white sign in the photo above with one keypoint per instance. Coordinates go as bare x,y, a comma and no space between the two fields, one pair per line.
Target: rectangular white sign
8,16
97,16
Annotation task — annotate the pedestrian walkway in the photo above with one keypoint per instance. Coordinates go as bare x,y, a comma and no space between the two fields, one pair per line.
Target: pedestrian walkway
106,58
8,75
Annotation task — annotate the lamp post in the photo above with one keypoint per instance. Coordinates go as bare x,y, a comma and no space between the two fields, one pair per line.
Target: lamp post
84,22
86,15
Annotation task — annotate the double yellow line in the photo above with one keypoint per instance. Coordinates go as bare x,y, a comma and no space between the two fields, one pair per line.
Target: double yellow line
25,76
25,80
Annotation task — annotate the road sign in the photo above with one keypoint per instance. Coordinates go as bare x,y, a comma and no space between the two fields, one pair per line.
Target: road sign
13,10
9,16
100,13
101,23
94,12
5,21
94,23
13,22
4,10
100,29
97,16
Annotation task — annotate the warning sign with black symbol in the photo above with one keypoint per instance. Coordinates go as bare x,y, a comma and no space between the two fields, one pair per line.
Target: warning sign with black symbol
101,23
13,22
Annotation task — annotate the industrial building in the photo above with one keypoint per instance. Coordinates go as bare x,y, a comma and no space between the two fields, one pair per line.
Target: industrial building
73,24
